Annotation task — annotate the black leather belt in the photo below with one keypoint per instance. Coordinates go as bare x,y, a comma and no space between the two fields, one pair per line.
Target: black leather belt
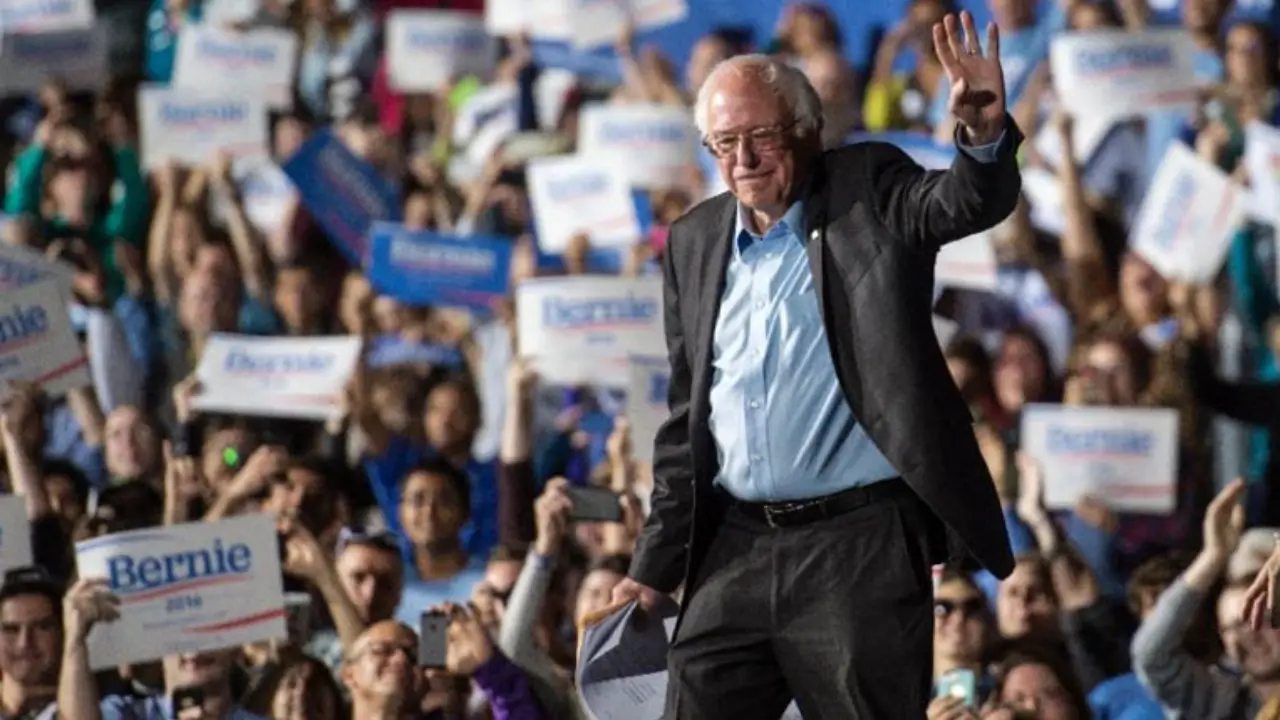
803,512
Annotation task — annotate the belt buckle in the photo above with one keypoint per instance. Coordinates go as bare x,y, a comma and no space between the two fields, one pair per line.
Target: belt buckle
775,510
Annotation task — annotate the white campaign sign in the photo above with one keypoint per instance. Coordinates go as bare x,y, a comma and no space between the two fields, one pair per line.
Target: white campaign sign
652,146
37,343
427,49
969,263
44,16
298,377
1118,74
192,127
505,17
585,329
546,19
258,64
573,194
186,588
1188,217
266,193
647,403
78,57
1262,161
1124,457
601,22
15,533
21,266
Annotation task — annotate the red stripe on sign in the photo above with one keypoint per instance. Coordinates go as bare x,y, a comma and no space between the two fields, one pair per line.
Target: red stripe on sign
59,372
181,588
1221,217
241,622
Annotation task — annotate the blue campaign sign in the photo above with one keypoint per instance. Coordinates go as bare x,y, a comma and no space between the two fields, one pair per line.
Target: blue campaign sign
345,194
422,267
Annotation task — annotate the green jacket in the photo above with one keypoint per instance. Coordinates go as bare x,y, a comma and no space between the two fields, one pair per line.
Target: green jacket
126,219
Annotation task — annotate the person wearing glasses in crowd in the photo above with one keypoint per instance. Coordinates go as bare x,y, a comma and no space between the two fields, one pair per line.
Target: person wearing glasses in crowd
798,467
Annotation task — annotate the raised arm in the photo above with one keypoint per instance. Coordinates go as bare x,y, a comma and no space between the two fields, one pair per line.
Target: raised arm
929,209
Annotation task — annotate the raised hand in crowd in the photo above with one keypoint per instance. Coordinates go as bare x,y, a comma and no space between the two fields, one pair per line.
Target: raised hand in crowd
184,393
88,602
551,514
1223,527
264,465
469,645
182,486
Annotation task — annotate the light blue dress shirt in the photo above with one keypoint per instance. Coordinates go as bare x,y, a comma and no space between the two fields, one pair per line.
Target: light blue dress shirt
782,427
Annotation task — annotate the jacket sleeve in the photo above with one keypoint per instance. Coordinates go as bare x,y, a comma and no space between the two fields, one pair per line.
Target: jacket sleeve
927,209
1187,689
507,690
25,191
662,548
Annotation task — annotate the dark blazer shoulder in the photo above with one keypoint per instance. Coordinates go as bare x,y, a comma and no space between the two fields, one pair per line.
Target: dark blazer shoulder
700,218
864,156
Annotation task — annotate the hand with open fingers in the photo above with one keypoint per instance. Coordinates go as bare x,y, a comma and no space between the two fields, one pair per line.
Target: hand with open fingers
945,707
469,643
977,98
181,477
1224,522
551,512
88,602
1260,599
618,445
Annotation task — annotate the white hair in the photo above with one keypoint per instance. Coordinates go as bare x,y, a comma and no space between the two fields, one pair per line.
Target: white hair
788,82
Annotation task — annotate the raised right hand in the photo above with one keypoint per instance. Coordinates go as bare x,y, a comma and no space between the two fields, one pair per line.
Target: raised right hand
1224,522
87,603
551,511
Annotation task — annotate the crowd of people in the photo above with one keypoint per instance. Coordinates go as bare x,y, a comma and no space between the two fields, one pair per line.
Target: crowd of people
443,485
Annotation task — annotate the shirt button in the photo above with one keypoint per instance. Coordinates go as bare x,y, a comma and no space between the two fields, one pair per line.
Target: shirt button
759,304
755,404
815,235
755,458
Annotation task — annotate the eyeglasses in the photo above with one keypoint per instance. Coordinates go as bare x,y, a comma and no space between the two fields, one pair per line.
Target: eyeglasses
761,140
968,608
382,652
382,539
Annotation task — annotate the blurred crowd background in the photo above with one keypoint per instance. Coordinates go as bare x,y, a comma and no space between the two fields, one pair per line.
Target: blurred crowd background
442,483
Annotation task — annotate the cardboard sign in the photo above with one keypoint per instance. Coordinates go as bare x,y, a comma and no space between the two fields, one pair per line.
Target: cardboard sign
344,194
192,127
1125,457
259,64
37,343
186,588
969,263
647,403
427,49
424,268
30,17
1262,162
1191,213
600,22
576,194
1118,74
298,377
652,146
15,533
585,329
77,57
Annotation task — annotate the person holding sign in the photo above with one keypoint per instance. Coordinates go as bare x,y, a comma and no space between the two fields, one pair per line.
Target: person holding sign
818,458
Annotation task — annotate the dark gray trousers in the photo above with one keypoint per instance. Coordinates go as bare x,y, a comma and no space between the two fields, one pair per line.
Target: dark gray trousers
836,614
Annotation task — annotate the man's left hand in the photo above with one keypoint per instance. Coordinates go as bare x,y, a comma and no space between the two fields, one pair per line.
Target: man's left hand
977,82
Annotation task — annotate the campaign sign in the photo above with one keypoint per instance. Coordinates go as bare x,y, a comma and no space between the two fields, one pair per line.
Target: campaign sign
78,57
575,194
344,194
21,266
266,194
259,64
1125,457
186,588
585,329
15,533
595,23
422,267
427,49
1188,218
1262,161
45,16
37,343
652,146
544,19
647,403
295,377
1118,73
928,153
391,350
969,263
193,126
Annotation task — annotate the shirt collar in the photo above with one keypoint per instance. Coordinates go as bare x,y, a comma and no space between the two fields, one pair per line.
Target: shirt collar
792,221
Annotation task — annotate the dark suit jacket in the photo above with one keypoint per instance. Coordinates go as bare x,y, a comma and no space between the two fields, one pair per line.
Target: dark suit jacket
874,222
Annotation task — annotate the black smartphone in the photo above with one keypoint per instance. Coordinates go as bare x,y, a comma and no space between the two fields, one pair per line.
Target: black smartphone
433,640
593,504
187,701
